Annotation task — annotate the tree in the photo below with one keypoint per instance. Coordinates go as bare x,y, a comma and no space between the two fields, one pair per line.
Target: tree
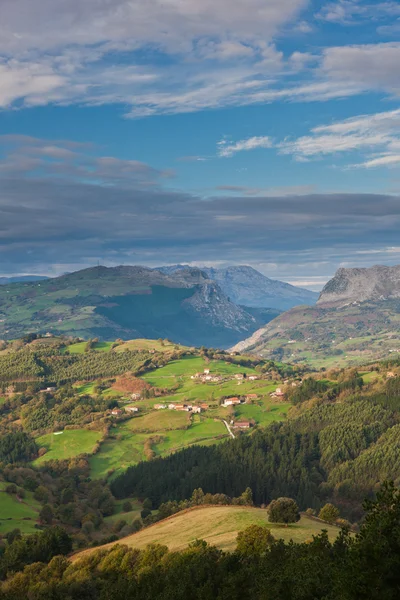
127,506
46,514
197,497
254,540
246,498
283,510
329,513
147,504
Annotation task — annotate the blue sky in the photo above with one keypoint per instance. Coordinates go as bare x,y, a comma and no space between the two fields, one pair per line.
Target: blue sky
264,132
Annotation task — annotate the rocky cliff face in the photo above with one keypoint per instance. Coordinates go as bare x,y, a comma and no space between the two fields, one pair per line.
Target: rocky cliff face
211,304
246,286
360,285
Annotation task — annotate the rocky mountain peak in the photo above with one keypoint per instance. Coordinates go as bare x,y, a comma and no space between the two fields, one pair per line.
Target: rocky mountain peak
360,285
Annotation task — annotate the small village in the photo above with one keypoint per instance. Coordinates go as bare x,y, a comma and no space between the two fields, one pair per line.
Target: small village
198,407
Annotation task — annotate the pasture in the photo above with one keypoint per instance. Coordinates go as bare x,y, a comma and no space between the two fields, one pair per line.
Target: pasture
68,444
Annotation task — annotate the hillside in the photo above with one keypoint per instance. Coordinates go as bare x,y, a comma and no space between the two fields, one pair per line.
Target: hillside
248,287
217,525
21,279
126,302
356,320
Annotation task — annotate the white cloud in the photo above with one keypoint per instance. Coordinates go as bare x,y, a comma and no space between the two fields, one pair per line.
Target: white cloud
351,12
227,149
378,135
219,53
368,67
51,24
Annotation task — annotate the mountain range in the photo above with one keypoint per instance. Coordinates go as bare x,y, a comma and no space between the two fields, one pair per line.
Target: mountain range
127,302
356,319
248,287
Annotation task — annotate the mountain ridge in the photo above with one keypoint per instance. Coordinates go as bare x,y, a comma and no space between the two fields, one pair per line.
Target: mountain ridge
356,319
246,286
126,302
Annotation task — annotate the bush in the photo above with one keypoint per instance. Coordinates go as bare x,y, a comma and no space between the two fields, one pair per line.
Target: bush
254,540
329,513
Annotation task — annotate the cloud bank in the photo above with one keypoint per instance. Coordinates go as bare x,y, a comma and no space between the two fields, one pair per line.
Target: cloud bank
123,213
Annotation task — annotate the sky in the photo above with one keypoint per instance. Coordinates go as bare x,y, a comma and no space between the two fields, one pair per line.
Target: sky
207,132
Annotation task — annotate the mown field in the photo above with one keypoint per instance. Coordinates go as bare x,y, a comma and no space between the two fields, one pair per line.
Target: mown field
67,444
219,526
17,514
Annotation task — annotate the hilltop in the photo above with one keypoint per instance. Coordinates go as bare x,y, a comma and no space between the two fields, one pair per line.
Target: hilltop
248,287
127,302
356,320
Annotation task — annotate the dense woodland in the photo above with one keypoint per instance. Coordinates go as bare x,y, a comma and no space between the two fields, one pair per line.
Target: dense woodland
366,567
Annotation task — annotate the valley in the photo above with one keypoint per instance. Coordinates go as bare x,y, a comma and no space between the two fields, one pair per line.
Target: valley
147,446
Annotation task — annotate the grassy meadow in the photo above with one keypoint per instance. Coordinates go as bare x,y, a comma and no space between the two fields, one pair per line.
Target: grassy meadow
219,526
68,444
17,514
127,443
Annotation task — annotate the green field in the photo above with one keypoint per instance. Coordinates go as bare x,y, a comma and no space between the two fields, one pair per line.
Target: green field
69,443
126,446
129,516
263,415
18,514
86,388
219,526
160,420
144,344
78,348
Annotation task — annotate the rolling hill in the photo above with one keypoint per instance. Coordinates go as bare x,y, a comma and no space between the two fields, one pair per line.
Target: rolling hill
217,525
356,320
127,302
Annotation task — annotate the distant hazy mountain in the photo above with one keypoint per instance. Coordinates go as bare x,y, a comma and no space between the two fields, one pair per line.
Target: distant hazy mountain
246,286
21,278
356,320
184,306
358,285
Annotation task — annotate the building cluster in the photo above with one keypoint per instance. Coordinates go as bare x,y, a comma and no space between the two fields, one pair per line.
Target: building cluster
192,408
278,393
207,376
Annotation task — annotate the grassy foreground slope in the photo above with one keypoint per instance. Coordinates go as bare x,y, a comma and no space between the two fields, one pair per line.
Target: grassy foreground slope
217,525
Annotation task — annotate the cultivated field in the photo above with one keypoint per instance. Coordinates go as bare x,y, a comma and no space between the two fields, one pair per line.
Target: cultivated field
219,526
